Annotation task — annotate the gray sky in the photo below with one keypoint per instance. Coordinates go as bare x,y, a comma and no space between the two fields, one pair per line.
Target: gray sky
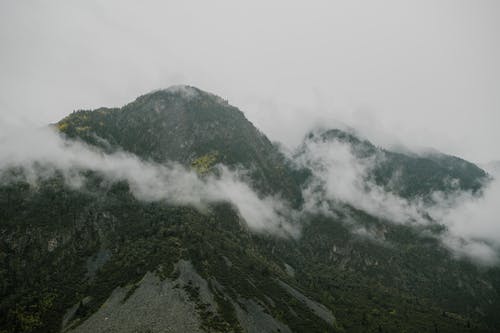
420,73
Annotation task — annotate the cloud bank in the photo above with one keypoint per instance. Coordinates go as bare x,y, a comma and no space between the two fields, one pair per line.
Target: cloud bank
339,176
472,221
147,181
342,176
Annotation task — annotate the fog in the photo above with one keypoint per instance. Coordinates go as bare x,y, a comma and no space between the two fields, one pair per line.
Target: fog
418,73
474,224
339,176
472,221
28,148
342,176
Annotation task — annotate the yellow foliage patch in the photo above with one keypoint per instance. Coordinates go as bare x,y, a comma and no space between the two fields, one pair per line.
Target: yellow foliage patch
80,129
62,126
203,164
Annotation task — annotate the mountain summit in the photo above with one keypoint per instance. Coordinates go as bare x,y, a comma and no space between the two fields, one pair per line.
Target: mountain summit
187,125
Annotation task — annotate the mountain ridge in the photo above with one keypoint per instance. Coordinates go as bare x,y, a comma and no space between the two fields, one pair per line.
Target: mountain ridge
422,174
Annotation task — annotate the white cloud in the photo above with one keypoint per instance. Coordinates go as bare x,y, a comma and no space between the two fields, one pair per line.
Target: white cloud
148,181
472,221
342,176
473,226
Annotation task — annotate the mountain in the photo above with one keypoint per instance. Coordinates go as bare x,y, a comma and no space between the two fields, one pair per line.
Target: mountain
190,126
408,175
94,258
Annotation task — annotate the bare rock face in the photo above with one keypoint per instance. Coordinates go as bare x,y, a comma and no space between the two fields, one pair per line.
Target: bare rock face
172,305
254,319
154,306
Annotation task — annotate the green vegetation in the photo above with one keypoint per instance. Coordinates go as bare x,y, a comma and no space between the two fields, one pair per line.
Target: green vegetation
165,126
403,282
411,175
365,284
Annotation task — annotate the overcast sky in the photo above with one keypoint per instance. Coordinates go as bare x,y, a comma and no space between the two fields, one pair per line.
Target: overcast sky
418,73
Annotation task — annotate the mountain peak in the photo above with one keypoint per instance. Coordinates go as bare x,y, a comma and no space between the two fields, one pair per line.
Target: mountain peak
183,92
184,124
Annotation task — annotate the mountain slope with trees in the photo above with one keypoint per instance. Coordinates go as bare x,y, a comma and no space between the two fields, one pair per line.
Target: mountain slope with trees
95,258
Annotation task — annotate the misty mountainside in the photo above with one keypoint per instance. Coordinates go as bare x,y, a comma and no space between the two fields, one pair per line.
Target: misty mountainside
492,167
406,174
84,248
189,126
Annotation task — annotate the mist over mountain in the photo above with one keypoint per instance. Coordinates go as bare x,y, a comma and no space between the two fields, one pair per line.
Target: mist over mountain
493,167
174,212
407,174
189,126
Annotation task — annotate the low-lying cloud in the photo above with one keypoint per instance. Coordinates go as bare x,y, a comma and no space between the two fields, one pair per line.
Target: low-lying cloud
472,221
342,176
148,181
339,176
